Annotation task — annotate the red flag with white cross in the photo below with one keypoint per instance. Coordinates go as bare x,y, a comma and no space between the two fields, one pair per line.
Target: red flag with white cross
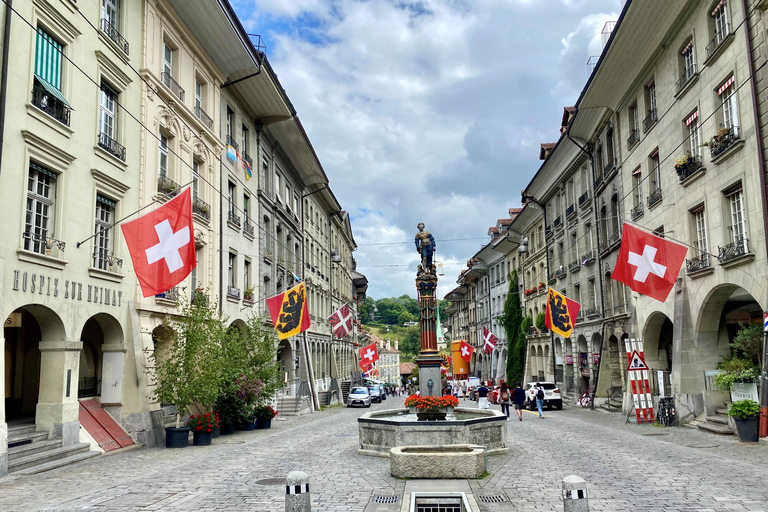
162,245
341,321
490,340
647,263
369,355
466,350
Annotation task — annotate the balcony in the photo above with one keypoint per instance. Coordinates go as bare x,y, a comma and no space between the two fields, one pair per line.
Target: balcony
552,278
574,266
548,231
41,244
233,218
718,40
231,142
248,228
560,273
649,120
247,158
558,223
687,167
609,169
591,312
171,295
105,261
598,182
654,198
201,208
114,35
233,292
167,186
725,138
47,99
173,85
583,198
202,116
696,264
570,211
634,137
111,146
588,258
733,250
637,211
688,75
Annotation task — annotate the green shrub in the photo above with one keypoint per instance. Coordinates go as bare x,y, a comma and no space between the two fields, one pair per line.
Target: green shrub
744,409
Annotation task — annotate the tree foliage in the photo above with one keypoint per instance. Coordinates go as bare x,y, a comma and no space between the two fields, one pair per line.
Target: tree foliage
389,309
511,320
410,344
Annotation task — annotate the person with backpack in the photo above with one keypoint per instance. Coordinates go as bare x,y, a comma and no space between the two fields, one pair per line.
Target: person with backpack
540,399
504,399
518,398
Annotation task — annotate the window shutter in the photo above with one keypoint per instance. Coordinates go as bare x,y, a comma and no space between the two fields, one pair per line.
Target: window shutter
48,59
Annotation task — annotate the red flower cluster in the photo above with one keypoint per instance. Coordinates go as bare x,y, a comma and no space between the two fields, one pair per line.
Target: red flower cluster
431,402
531,291
264,412
204,423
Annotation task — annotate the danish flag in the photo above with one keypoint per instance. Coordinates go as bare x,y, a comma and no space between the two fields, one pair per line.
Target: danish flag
490,340
341,321
466,350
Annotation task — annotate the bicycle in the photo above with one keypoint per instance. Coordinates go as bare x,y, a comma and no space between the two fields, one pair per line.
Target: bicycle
585,400
665,414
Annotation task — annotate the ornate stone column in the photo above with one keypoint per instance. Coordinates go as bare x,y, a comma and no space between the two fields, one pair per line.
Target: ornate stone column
429,359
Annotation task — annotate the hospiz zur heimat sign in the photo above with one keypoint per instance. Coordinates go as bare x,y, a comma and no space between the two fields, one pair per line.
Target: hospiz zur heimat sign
39,284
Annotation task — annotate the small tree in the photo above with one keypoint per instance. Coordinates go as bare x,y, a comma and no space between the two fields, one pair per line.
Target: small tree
510,320
404,317
541,322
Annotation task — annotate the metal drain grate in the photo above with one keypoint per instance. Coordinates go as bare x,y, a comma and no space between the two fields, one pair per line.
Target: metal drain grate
495,498
386,499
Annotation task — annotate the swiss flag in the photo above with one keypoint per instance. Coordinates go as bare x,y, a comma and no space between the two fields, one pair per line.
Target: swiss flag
465,349
647,263
490,340
162,245
369,355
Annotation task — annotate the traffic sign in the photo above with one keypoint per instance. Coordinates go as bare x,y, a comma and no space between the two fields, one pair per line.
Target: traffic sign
636,362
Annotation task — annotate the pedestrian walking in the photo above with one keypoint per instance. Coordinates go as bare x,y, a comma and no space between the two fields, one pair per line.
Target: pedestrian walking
482,396
518,398
540,399
504,399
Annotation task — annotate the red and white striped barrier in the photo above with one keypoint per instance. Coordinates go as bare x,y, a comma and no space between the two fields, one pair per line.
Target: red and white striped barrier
641,387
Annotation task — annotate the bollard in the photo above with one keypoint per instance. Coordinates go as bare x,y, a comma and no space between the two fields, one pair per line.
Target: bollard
575,494
297,492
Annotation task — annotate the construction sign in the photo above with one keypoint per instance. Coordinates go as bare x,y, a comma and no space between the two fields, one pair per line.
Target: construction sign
636,362
638,377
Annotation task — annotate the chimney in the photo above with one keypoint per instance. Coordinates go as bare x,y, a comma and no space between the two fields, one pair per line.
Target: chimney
396,344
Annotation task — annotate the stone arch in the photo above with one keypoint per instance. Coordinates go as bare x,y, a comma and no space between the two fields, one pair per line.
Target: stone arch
101,359
286,359
657,341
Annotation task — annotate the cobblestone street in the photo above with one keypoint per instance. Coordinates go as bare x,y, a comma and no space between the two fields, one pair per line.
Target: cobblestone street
627,467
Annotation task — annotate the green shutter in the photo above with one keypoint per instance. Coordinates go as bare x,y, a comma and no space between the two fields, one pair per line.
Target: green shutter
48,59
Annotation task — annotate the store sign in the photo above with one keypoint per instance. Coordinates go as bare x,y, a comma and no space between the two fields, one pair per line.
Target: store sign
744,391
13,320
569,359
596,359
40,284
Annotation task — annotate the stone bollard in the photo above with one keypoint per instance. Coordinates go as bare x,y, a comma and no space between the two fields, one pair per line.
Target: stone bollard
297,492
575,494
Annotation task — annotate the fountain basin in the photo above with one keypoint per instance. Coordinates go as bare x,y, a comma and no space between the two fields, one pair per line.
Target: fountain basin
380,431
437,462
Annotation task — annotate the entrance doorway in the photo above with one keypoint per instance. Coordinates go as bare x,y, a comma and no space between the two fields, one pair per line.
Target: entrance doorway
22,365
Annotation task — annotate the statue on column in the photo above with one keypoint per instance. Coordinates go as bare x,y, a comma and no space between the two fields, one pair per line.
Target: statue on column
425,245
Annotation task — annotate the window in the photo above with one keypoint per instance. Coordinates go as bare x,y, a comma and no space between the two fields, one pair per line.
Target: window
109,11
720,17
231,269
193,281
688,64
700,224
296,204
46,93
287,196
736,223
105,213
246,274
167,75
244,139
634,122
163,164
195,179
198,94
637,187
230,120
107,126
278,184
41,194
231,190
246,207
650,105
694,137
655,173
727,93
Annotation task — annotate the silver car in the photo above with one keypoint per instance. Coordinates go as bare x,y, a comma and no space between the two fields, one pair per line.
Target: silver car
359,396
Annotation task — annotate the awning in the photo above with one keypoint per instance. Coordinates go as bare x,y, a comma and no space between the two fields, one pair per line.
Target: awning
691,119
726,85
53,91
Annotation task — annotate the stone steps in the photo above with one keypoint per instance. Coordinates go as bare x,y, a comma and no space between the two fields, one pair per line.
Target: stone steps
292,406
57,463
50,458
717,423
24,450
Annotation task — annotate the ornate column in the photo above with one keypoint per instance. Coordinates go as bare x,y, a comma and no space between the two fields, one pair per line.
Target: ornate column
429,359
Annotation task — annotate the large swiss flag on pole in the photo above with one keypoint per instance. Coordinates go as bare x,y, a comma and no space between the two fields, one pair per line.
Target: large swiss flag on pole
162,245
647,263
369,354
466,351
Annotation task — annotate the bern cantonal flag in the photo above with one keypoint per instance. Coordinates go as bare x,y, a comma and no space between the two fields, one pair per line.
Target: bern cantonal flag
341,321
490,340
561,313
466,350
162,245
369,354
647,263
290,312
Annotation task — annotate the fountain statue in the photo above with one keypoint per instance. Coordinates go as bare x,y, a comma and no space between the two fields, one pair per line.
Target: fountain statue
428,360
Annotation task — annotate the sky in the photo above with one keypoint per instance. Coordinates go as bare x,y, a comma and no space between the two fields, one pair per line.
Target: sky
428,111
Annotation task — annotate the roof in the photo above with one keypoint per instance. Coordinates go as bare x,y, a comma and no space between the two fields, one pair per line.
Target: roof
407,368
504,222
546,148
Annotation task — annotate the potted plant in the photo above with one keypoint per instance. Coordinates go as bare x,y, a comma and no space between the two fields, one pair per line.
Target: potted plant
264,415
429,408
745,413
202,427
248,293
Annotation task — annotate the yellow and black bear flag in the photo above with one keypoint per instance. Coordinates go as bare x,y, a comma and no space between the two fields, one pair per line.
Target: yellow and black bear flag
561,313
290,312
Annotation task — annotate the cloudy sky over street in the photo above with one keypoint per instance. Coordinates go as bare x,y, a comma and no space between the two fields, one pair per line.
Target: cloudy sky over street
428,110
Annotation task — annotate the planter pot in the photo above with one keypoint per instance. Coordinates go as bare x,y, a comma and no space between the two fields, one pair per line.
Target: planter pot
248,425
201,438
227,428
176,437
264,423
747,429
216,432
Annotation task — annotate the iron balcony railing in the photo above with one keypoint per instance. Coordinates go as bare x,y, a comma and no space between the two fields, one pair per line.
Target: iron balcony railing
598,182
583,198
173,85
654,198
548,231
733,250
720,37
609,168
233,292
570,210
87,386
247,158
205,118
588,312
105,261
689,167
612,239
574,266
166,185
649,120
560,273
233,218
41,244
698,263
248,228
201,208
110,145
637,211
231,142
634,137
588,258
50,104
725,138
114,35
171,295
686,77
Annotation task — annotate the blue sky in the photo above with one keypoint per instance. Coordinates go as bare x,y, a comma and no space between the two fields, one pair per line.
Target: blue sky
428,110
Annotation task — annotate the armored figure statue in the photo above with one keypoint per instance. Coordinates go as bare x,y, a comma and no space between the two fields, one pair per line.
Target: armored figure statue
425,244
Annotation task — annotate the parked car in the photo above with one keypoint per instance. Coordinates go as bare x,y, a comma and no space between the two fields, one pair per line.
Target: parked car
359,396
552,396
375,391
